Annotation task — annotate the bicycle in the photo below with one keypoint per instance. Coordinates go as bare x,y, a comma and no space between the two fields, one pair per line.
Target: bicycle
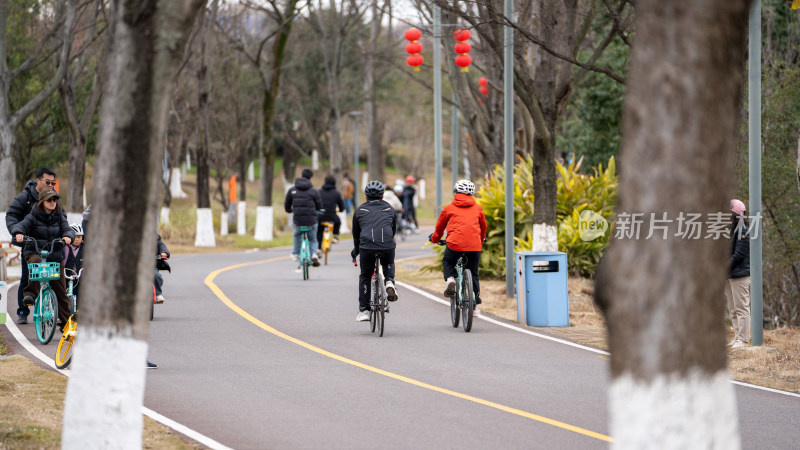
45,309
462,302
67,342
305,251
327,239
378,305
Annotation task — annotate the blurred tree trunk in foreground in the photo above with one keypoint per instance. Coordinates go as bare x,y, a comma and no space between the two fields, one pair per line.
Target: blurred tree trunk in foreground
103,406
663,296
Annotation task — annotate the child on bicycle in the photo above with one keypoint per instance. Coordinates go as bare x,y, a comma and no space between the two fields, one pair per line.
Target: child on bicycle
465,224
73,254
46,223
374,225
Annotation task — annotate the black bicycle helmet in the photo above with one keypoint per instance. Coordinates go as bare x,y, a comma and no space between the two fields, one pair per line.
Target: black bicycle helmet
373,190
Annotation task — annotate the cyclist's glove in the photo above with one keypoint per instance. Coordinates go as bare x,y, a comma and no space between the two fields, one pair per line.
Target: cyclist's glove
354,253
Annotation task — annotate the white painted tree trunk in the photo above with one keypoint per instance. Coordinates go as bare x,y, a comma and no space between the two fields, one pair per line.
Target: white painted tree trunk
364,180
345,227
8,170
164,216
241,218
314,160
264,224
675,412
251,172
4,234
545,237
188,161
110,365
223,223
204,236
74,218
175,188
421,189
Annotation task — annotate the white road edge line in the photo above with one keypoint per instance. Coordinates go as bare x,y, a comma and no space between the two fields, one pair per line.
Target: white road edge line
180,428
561,341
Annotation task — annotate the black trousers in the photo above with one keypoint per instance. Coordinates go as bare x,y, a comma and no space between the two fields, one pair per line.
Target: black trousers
367,263
22,308
449,260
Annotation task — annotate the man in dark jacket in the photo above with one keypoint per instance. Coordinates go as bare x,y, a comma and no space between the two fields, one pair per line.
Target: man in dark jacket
22,206
737,288
331,199
374,225
304,202
409,211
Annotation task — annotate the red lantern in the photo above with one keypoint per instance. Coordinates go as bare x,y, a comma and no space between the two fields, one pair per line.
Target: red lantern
483,81
413,34
463,60
484,90
415,61
414,49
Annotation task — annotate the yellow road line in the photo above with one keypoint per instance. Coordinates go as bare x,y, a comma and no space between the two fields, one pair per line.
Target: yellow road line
209,281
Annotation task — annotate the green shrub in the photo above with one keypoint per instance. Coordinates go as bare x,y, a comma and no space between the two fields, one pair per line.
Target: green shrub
576,192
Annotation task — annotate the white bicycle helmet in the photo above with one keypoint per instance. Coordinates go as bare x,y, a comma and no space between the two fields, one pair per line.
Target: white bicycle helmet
77,228
464,187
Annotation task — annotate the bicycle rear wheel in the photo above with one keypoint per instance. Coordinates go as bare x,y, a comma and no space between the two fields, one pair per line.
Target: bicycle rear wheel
454,311
467,300
379,319
47,316
65,346
373,306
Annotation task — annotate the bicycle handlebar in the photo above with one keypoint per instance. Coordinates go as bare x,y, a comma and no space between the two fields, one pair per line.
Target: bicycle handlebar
36,242
73,277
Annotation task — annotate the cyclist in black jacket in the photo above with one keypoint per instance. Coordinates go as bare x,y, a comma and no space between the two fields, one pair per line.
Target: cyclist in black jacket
374,225
304,202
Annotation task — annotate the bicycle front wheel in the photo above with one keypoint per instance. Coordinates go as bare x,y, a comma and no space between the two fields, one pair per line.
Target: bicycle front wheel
373,306
467,300
379,320
65,346
47,316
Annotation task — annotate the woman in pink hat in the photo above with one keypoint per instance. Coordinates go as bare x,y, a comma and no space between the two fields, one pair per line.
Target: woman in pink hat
737,288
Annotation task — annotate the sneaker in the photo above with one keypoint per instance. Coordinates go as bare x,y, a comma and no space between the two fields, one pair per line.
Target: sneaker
335,239
476,311
730,344
450,290
363,316
295,257
22,319
151,365
391,293
315,260
27,300
159,299
739,344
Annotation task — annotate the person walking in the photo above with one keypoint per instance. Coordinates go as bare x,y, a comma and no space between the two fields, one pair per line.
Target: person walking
349,191
409,211
21,206
737,288
331,200
304,201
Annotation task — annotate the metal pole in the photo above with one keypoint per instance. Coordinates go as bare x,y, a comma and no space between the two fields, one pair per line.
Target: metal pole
454,133
508,142
754,106
437,103
355,180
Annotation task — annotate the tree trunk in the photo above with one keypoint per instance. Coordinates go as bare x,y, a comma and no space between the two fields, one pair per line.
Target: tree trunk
103,406
662,296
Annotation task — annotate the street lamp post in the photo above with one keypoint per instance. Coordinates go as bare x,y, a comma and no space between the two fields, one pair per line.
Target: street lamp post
355,115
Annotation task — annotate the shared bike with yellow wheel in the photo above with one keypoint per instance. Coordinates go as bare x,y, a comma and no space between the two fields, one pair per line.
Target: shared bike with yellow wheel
67,343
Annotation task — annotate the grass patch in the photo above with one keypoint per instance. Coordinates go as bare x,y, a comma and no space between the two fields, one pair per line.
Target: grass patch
32,405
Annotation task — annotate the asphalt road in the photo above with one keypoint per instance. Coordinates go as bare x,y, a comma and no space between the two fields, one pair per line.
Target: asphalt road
252,356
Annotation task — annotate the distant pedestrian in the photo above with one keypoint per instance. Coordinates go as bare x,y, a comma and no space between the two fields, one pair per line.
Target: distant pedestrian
348,192
331,200
409,211
737,288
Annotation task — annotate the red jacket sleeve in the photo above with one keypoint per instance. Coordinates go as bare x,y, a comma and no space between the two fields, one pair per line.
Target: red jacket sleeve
441,224
482,221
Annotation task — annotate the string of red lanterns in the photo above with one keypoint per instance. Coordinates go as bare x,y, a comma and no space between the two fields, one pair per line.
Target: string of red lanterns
484,86
463,60
414,48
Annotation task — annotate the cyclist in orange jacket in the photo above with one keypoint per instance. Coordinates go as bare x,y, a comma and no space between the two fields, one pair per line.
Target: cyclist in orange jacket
465,224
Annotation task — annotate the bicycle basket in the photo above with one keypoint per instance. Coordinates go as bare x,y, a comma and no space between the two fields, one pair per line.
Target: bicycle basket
44,271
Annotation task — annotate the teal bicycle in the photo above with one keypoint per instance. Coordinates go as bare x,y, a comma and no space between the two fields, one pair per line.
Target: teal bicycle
462,302
305,251
45,309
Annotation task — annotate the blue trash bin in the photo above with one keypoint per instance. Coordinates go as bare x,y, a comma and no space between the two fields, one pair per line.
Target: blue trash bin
542,299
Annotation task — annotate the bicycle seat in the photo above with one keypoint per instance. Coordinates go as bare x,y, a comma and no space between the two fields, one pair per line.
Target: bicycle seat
303,228
327,224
